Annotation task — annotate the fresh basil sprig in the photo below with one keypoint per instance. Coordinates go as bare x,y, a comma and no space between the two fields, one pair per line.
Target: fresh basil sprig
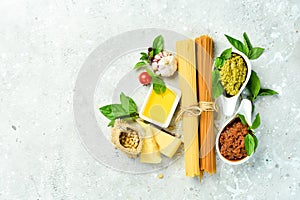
250,140
251,52
126,110
255,89
159,85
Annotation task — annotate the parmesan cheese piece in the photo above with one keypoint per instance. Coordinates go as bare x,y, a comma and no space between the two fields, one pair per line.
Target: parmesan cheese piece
168,145
150,151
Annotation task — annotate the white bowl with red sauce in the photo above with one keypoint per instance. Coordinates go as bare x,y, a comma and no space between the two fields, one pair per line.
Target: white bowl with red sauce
245,109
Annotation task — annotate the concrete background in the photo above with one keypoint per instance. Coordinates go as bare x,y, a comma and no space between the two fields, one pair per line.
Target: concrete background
43,45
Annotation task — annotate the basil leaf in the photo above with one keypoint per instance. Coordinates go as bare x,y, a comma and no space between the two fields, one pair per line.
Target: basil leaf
126,110
215,77
112,111
226,54
247,41
249,144
237,44
111,123
217,88
255,53
151,73
256,122
243,119
144,54
140,64
254,85
128,104
144,57
159,86
151,54
255,141
219,62
158,44
266,92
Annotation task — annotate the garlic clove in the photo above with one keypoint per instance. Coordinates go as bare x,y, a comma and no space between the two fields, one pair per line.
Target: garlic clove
167,66
157,57
154,66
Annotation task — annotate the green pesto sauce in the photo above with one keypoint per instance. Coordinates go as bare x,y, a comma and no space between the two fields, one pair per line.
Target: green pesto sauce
233,74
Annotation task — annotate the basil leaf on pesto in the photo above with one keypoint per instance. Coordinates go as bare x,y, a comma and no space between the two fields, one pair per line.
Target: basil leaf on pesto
219,62
226,54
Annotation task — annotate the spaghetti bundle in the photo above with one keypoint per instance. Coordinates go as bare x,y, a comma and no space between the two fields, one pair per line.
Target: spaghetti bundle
185,51
204,61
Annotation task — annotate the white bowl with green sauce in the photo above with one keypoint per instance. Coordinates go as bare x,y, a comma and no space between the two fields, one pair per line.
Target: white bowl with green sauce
233,82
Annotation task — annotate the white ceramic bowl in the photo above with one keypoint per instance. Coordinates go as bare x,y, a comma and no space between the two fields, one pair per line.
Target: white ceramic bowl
229,103
245,109
170,114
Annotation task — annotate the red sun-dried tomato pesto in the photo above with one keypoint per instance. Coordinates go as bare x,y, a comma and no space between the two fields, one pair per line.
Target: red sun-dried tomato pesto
231,142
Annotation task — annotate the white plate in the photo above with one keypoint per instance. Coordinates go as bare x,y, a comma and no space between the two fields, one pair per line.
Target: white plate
105,73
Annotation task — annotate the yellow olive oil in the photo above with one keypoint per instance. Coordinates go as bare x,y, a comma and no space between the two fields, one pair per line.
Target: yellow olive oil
159,106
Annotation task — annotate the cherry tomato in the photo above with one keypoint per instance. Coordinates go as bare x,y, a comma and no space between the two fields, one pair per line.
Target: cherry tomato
145,78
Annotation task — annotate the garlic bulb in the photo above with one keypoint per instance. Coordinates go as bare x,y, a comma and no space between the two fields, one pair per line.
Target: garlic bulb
164,64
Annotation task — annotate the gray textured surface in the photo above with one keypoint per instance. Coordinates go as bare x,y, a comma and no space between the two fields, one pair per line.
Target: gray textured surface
42,47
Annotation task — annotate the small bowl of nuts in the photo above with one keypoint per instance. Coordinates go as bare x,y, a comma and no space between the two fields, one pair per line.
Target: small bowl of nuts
126,138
